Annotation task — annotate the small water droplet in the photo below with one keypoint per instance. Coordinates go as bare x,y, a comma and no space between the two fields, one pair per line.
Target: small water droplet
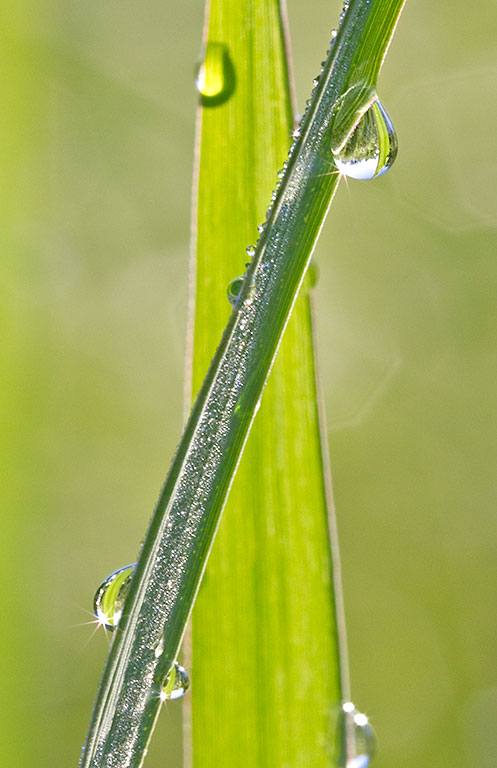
159,649
260,228
356,738
316,80
371,148
334,33
250,250
215,78
109,598
176,683
234,289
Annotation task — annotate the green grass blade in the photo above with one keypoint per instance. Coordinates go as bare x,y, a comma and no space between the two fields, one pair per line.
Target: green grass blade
181,533
265,673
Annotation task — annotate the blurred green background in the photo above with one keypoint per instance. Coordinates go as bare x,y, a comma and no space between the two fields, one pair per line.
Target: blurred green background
96,137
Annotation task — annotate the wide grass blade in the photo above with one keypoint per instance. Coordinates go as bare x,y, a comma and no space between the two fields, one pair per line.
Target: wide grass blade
265,673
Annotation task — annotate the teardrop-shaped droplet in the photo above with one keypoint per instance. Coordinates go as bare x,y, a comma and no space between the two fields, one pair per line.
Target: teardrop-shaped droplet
371,148
175,684
215,75
109,598
234,289
356,738
250,251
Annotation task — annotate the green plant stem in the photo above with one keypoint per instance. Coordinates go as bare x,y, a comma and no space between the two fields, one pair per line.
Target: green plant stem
180,536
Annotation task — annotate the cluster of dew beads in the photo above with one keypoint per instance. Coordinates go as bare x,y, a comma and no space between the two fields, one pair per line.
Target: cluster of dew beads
109,598
357,741
215,75
371,148
176,683
234,289
344,10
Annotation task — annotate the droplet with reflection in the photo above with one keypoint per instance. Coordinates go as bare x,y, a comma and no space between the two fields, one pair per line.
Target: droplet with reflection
234,289
356,738
371,148
175,684
215,77
109,598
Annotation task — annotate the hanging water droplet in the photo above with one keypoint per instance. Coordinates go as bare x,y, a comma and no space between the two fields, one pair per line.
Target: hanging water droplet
234,289
371,148
109,598
175,684
316,80
215,75
250,250
356,738
334,33
260,228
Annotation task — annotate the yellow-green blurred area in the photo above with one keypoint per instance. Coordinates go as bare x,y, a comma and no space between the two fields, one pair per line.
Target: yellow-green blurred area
96,137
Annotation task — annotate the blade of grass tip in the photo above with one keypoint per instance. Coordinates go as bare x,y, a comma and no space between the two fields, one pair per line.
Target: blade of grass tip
178,541
264,621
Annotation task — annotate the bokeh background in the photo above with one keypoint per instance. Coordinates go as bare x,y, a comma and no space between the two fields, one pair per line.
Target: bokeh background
96,136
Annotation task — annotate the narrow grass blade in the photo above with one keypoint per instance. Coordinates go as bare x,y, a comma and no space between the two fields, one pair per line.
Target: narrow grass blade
176,547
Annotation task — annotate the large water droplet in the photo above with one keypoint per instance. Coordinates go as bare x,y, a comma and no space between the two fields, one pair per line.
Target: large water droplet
175,684
356,738
215,75
371,148
234,289
109,598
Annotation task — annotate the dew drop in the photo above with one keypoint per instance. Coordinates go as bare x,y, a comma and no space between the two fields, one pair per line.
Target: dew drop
356,738
215,78
176,683
250,250
109,598
260,228
234,289
371,148
159,648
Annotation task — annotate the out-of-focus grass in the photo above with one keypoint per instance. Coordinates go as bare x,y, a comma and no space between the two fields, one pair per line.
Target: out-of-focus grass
95,332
